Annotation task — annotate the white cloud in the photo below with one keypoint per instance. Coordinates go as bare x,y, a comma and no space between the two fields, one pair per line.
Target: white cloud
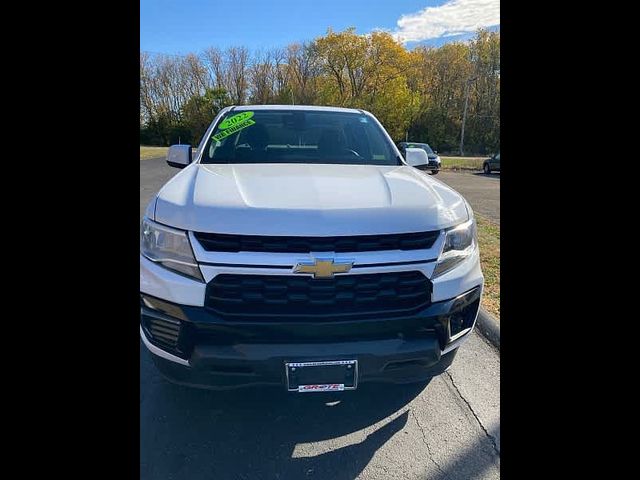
451,18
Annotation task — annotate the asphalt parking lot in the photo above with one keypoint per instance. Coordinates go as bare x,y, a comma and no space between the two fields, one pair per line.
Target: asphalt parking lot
448,428
482,191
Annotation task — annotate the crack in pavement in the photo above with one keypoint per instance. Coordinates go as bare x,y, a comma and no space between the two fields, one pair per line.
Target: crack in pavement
493,440
424,440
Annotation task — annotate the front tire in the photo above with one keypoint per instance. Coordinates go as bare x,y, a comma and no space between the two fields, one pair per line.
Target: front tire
486,168
434,172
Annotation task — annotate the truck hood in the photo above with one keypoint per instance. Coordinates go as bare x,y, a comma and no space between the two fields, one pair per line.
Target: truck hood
307,200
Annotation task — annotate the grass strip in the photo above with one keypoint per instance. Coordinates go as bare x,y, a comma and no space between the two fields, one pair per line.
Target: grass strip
152,152
489,241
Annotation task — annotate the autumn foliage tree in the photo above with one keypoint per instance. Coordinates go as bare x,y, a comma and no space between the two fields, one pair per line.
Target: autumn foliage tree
417,94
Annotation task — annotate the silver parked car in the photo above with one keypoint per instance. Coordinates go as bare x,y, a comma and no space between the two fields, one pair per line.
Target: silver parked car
434,164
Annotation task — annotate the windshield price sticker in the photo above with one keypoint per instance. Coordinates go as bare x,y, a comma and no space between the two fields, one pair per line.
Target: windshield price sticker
234,124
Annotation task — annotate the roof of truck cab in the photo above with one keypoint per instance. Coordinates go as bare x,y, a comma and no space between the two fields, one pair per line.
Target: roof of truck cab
296,107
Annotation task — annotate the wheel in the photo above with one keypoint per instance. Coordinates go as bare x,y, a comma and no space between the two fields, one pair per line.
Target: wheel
486,168
434,172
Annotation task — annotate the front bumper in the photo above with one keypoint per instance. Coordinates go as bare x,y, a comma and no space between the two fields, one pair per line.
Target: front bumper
210,352
429,168
432,165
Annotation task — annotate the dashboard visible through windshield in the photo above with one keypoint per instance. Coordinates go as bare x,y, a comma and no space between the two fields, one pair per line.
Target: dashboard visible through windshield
298,136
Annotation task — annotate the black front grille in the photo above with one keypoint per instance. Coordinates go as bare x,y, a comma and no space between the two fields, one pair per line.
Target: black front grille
219,242
165,333
252,297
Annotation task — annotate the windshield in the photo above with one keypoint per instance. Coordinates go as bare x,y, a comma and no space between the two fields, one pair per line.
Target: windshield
423,146
298,136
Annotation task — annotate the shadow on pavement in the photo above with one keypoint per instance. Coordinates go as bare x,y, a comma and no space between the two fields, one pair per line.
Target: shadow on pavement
252,433
495,175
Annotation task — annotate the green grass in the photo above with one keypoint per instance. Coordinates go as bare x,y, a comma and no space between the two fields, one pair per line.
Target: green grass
462,163
152,152
489,241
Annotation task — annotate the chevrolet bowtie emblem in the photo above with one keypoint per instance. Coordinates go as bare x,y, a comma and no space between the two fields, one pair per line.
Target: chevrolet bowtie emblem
323,268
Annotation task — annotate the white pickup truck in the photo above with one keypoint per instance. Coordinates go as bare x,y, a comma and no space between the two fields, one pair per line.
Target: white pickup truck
297,247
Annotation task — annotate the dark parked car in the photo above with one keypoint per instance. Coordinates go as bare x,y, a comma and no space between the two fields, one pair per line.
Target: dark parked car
434,158
491,164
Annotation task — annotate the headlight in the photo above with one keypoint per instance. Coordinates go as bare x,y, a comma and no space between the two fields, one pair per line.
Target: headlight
168,247
438,159
459,244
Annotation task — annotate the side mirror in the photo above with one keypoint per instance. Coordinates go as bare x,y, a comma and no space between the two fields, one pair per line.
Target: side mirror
435,151
179,156
417,157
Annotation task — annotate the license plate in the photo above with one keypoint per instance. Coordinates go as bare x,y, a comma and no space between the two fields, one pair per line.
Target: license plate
326,376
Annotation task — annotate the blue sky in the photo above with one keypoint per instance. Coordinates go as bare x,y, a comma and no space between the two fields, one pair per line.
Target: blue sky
183,26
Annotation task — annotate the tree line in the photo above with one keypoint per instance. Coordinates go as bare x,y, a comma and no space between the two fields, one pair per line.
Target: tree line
428,94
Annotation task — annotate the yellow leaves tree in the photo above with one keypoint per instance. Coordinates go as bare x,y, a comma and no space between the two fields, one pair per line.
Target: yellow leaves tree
368,72
342,57
418,93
